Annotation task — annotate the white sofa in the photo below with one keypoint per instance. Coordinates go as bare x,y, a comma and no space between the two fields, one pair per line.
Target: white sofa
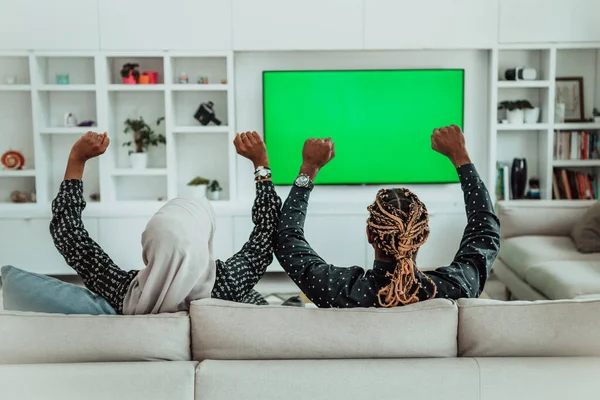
538,259
473,349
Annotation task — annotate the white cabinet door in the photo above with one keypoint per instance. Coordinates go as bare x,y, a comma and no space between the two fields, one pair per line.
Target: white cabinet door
534,21
406,24
338,239
223,241
27,244
48,25
121,239
165,25
297,25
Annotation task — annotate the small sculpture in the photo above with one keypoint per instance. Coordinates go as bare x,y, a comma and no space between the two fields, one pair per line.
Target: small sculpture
18,197
13,160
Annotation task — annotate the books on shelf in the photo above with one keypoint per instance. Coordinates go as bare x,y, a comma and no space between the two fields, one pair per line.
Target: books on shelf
502,181
577,145
573,185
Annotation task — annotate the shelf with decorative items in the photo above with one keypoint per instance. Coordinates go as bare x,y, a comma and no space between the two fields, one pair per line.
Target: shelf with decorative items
187,129
521,93
17,142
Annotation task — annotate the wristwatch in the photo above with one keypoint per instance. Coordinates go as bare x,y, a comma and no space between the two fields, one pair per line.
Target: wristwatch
303,181
262,173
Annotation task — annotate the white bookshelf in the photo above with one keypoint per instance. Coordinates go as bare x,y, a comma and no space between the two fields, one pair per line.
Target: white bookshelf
36,126
535,142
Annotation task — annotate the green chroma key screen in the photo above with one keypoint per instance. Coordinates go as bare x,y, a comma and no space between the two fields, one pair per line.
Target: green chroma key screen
380,120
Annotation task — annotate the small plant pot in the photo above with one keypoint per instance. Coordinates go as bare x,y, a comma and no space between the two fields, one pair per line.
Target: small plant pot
198,191
214,195
532,115
597,120
139,160
515,116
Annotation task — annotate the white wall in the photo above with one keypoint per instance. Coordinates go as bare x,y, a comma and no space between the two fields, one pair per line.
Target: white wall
336,221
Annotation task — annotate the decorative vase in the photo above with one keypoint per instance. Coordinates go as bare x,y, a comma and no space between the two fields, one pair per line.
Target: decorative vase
532,115
198,191
518,178
139,160
214,195
559,113
515,116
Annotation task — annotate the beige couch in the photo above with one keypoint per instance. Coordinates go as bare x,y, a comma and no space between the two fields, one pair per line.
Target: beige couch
538,259
470,350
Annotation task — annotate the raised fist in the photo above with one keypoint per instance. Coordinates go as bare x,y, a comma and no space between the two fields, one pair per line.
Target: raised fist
450,142
251,146
318,152
90,145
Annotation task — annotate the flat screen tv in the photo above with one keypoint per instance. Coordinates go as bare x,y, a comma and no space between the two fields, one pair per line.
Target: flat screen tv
380,120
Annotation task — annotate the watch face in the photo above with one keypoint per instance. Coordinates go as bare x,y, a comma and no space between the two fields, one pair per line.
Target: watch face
302,180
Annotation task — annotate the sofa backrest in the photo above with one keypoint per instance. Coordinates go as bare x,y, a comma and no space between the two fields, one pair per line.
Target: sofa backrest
223,330
33,338
537,218
563,328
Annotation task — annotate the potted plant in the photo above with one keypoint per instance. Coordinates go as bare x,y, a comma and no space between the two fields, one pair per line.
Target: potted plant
531,114
214,190
198,187
596,114
143,137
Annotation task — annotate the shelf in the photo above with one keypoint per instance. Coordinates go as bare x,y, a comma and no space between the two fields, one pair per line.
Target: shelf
135,88
200,88
524,127
576,163
523,84
77,130
575,126
140,172
201,129
8,173
15,88
67,88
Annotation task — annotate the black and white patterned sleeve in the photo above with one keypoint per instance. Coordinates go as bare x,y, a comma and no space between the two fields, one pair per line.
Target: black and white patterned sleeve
98,272
472,264
237,276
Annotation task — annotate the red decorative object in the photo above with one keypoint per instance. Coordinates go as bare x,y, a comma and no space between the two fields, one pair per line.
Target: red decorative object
12,160
153,77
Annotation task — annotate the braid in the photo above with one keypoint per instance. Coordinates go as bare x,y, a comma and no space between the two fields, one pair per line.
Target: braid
400,223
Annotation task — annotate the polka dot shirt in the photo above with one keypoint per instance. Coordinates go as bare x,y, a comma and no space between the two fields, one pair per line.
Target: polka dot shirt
340,287
235,277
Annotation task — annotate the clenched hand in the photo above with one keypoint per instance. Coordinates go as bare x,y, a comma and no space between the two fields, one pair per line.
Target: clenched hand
450,142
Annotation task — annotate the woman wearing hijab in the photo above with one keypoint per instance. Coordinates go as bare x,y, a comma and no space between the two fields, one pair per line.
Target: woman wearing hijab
177,242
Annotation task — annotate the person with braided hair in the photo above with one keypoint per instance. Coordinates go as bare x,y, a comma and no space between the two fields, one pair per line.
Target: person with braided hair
397,226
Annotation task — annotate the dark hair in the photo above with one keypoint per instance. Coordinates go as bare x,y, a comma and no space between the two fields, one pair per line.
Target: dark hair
399,223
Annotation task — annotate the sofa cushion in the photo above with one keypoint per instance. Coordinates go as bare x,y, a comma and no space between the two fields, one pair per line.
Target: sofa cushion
586,232
538,378
565,279
99,381
31,338
26,291
448,379
224,330
520,253
560,328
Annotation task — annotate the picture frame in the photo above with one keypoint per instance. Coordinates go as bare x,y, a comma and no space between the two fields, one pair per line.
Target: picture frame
569,91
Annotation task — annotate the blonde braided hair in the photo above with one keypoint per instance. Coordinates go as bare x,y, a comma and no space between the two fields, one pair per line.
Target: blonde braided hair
400,224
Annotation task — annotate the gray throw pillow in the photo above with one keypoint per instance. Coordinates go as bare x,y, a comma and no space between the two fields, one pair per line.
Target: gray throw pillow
586,232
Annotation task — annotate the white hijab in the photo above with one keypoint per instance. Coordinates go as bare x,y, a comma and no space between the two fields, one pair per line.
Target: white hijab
177,251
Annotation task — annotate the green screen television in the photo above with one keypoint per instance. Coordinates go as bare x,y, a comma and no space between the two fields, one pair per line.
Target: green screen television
381,122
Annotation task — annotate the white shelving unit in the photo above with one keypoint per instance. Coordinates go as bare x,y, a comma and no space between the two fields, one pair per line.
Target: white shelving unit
35,125
535,142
